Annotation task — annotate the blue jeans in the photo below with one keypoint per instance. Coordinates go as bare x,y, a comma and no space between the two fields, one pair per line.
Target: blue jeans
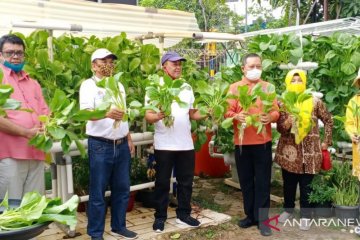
109,166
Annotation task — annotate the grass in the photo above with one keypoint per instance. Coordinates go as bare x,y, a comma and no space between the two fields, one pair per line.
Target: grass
205,200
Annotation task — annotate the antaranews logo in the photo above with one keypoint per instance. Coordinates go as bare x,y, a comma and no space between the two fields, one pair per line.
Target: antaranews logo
273,226
273,223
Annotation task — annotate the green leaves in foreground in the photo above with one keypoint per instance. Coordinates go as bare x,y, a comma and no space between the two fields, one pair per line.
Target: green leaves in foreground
212,100
35,208
115,98
62,123
6,103
162,92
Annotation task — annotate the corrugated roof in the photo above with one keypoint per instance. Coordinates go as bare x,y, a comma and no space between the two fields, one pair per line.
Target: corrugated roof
349,25
105,19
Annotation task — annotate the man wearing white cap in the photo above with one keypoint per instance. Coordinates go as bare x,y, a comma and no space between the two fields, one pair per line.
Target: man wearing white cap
109,154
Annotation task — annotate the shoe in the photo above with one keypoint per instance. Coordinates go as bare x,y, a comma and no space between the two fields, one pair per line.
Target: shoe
285,216
189,221
246,222
265,230
304,224
126,234
158,225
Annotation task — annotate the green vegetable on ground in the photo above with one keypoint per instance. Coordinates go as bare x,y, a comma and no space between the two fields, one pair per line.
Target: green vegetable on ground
35,208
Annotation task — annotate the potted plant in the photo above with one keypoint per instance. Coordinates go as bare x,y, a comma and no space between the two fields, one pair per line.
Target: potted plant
346,197
322,194
147,196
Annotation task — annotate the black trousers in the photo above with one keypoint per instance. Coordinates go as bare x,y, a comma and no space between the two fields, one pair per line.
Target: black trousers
183,163
290,181
253,163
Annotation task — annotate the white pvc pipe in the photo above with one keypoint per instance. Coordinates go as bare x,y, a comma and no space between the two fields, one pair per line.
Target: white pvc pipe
137,138
132,188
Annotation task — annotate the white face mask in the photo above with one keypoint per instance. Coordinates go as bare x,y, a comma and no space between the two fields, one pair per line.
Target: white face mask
253,74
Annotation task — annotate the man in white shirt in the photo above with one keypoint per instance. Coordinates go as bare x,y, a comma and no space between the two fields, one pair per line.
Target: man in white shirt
174,148
109,152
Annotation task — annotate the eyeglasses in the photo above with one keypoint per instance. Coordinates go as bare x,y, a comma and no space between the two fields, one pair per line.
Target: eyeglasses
13,53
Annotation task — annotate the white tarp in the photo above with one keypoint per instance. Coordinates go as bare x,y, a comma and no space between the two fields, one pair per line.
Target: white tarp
100,19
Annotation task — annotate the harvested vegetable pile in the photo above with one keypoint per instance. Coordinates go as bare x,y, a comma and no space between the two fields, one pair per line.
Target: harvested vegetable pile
35,208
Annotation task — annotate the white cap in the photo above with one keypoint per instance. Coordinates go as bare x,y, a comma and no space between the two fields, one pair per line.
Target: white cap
102,53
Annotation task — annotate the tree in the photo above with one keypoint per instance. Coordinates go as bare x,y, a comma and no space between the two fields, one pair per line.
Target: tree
210,14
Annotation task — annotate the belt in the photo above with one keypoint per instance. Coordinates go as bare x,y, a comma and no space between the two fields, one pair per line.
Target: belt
115,141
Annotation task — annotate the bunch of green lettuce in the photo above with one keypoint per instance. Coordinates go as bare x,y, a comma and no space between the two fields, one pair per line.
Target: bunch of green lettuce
212,100
247,99
114,98
62,123
162,92
35,208
291,103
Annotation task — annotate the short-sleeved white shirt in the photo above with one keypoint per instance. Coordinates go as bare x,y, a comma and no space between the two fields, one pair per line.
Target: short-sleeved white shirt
91,97
177,137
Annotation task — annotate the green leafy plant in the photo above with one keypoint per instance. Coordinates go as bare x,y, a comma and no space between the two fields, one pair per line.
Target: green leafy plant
114,98
267,98
162,94
35,208
322,189
291,103
247,99
223,140
345,184
7,103
62,123
212,100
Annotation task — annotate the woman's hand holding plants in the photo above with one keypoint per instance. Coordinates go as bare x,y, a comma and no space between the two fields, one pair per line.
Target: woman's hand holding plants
290,121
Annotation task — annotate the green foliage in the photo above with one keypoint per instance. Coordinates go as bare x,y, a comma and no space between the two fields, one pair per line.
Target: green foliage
322,189
81,173
337,56
7,103
138,170
62,124
291,103
162,92
346,185
211,100
223,140
267,98
114,97
35,208
214,15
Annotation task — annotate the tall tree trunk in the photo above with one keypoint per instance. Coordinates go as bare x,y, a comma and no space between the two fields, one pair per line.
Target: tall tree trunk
203,13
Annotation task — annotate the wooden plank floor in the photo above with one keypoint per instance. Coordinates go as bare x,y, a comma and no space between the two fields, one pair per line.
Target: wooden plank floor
140,220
